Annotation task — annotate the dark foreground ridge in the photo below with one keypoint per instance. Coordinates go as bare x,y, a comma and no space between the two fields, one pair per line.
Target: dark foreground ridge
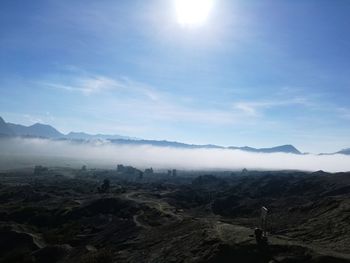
125,215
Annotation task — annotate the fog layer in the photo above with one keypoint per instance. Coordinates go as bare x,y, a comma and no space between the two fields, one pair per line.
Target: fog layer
19,152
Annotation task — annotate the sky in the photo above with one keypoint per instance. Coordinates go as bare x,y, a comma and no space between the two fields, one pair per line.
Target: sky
257,73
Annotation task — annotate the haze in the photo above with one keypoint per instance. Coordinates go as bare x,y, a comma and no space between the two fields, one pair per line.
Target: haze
21,153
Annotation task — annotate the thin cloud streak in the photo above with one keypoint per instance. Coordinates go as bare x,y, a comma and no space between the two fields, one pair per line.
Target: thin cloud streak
88,85
95,84
344,113
253,108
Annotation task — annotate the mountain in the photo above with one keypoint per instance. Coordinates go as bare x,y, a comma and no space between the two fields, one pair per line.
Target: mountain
47,131
165,144
5,130
278,149
86,136
36,130
345,151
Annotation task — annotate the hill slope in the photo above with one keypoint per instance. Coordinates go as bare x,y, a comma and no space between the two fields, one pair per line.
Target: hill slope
5,129
281,149
37,130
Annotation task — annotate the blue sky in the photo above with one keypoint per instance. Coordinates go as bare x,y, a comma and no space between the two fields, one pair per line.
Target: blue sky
257,73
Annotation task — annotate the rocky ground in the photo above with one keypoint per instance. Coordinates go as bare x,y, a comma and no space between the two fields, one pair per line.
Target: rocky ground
62,215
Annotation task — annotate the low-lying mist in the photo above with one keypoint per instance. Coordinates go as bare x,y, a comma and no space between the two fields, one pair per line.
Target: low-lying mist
25,152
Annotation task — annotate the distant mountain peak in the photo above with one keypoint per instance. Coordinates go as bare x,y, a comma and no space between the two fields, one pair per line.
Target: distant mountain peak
287,148
5,130
344,151
35,130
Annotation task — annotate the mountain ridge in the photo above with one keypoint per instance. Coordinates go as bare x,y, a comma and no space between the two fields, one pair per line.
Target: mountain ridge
344,151
287,148
47,131
37,129
4,129
87,136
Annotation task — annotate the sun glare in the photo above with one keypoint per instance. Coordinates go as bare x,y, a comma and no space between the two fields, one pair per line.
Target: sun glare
192,12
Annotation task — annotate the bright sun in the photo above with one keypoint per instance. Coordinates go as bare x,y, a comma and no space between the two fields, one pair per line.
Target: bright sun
192,12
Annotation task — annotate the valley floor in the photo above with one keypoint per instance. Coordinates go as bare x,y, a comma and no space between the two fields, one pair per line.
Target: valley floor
61,215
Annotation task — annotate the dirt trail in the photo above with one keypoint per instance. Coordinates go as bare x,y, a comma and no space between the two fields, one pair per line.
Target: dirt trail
139,223
37,239
160,205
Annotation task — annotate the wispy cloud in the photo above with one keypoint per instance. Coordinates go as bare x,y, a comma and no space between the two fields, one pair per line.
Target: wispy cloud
89,85
344,112
254,108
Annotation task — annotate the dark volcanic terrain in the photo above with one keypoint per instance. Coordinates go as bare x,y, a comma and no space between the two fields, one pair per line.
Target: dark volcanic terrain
88,215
